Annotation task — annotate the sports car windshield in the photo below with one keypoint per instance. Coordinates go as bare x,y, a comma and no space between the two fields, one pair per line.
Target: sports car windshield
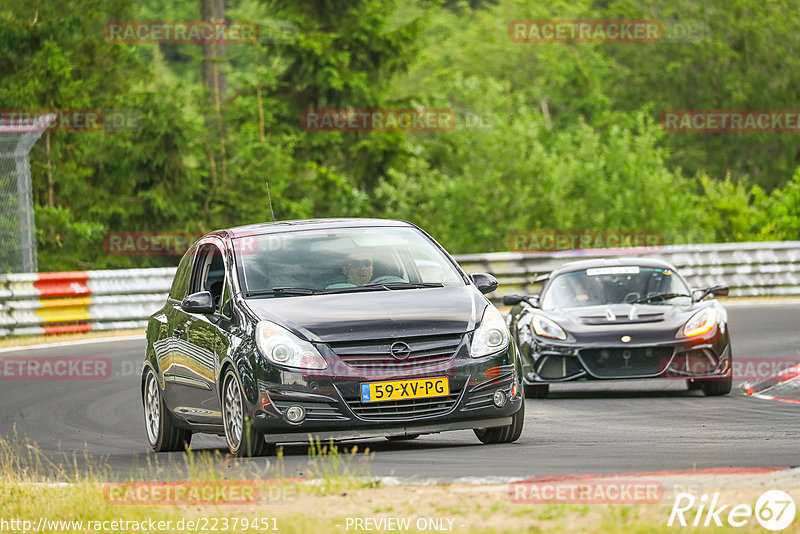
614,285
340,260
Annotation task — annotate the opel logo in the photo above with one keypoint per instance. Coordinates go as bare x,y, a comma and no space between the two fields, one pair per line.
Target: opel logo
400,350
625,339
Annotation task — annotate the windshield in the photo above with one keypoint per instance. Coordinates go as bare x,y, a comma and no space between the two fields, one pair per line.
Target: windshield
613,285
341,260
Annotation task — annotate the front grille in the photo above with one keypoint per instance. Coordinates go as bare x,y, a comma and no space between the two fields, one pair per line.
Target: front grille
404,409
315,411
620,363
375,355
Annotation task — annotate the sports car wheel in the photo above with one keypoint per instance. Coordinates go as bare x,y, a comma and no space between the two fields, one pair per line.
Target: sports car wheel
693,385
243,439
503,434
716,387
162,434
536,391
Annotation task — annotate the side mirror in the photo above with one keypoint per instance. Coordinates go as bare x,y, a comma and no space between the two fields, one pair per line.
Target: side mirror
486,283
717,291
513,300
201,302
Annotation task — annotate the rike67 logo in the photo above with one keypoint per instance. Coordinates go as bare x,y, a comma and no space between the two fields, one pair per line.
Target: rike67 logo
774,510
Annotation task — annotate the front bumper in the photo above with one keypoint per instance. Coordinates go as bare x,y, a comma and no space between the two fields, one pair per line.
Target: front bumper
708,357
332,403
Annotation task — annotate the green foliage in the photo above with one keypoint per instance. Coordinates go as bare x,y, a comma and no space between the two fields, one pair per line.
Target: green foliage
547,136
778,216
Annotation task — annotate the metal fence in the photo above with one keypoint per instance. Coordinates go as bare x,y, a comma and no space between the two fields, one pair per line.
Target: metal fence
17,228
47,303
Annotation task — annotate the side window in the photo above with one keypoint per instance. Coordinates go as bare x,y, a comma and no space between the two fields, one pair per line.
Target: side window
209,272
180,284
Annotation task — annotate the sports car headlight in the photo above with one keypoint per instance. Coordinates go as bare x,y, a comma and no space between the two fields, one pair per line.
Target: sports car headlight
701,322
491,336
547,328
282,347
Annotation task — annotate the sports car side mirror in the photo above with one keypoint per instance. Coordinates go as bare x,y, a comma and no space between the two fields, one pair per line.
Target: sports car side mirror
717,291
720,291
486,283
200,302
513,300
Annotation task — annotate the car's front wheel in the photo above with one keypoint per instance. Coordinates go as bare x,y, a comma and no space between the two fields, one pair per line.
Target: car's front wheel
503,434
162,434
243,439
716,386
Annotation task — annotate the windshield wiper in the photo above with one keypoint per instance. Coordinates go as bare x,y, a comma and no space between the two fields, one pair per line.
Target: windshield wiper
406,285
355,289
283,291
660,296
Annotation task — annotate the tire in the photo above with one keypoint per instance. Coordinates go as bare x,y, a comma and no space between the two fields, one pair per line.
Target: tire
242,438
503,434
407,437
693,385
717,387
162,434
536,391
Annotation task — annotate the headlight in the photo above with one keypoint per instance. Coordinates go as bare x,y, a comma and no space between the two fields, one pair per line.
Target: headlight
491,336
701,322
546,328
282,347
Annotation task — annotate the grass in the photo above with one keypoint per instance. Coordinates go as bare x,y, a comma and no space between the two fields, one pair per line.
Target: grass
340,488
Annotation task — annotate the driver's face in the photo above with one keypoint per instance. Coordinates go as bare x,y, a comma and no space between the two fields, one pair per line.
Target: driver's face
358,271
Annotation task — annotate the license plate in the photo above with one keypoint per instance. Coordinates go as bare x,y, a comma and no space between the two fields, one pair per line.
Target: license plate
405,389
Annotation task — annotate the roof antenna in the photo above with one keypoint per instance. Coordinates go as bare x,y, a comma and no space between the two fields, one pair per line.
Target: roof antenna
269,198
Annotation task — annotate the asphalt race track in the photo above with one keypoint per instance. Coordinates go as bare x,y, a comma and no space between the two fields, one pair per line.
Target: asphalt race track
582,428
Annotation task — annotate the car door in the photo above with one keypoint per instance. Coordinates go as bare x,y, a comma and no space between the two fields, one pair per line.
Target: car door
196,362
173,339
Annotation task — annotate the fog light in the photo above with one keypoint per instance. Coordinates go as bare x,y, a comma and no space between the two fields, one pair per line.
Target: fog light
295,414
500,398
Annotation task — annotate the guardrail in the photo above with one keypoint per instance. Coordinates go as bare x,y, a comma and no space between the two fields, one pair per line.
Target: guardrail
80,301
48,303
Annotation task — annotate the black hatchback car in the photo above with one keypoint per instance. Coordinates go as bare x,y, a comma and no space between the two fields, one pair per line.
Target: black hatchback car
339,328
621,318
